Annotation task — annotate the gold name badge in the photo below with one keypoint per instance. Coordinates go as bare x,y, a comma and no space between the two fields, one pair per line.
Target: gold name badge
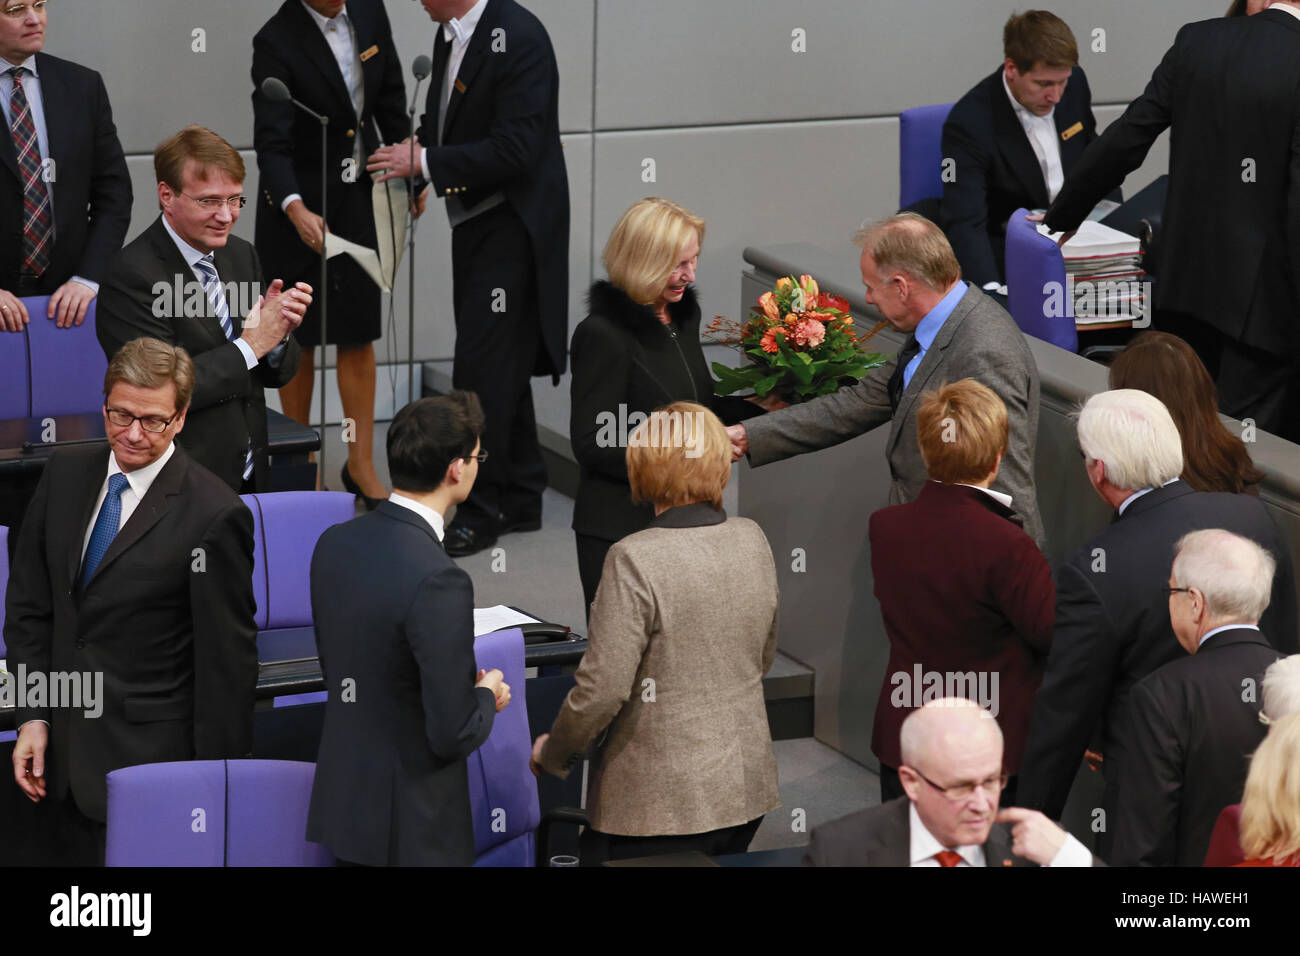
1076,128
460,87
369,53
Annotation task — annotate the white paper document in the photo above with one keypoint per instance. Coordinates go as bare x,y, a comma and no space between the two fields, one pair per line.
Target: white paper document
389,203
489,619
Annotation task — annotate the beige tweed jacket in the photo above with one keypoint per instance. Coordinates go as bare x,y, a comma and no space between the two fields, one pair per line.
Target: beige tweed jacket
682,631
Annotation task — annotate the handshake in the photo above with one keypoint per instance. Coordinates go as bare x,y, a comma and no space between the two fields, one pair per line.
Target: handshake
495,681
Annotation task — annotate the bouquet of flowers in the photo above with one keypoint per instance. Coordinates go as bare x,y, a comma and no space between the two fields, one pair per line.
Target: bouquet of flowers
801,341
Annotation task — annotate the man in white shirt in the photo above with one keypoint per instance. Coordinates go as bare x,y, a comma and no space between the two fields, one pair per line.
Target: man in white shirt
952,775
133,576
1012,139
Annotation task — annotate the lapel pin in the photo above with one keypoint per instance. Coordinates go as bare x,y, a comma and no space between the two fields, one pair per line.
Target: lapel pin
460,87
369,53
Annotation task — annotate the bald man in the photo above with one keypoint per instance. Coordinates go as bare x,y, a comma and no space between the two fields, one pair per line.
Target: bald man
952,776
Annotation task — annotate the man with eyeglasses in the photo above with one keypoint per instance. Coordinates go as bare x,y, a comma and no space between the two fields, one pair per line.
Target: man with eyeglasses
133,570
65,194
952,776
188,281
1195,721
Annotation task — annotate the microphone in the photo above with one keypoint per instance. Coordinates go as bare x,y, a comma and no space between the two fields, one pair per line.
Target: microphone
422,67
273,88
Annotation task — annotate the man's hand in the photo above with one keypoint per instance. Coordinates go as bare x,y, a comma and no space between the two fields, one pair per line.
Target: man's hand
1065,236
421,201
13,314
311,227
495,681
394,161
739,441
1034,837
275,315
29,759
69,303
535,761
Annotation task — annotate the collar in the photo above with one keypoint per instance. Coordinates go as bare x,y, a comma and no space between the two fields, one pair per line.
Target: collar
141,479
923,845
929,326
1283,6
188,252
324,22
1226,627
28,64
1021,113
695,515
434,519
998,496
607,299
1138,494
459,31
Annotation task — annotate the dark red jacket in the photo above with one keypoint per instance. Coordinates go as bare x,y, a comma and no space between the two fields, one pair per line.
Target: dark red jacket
966,595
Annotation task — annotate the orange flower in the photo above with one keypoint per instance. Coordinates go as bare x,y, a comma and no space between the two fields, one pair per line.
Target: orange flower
783,284
809,285
769,341
767,302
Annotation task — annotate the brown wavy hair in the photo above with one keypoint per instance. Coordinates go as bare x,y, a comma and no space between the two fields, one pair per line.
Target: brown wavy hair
1163,365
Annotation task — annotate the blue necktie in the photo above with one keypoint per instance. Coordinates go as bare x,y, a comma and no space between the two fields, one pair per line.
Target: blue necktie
110,516
217,297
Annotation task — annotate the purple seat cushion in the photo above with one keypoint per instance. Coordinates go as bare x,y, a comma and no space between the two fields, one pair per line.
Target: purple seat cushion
167,814
1035,274
15,386
291,524
268,815
920,153
259,562
4,582
67,365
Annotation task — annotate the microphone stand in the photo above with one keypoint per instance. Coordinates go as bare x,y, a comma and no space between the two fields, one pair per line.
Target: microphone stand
410,243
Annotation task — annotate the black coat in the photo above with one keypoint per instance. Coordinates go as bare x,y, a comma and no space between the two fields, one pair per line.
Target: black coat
625,361
229,400
92,189
996,171
395,617
1193,725
1112,629
1230,248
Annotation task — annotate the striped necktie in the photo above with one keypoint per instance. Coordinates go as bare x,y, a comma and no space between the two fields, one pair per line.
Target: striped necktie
217,298
106,526
38,223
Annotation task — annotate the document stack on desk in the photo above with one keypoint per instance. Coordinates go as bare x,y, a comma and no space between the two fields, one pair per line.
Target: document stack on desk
1103,268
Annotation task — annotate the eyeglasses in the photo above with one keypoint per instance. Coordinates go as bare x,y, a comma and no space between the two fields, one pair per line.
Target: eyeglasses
964,791
212,205
18,11
1171,591
150,423
480,457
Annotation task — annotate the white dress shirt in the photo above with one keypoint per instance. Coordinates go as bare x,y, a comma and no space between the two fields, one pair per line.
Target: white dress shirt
1288,8
1138,494
1000,497
425,512
1043,139
32,90
138,483
458,34
923,847
192,256
1226,627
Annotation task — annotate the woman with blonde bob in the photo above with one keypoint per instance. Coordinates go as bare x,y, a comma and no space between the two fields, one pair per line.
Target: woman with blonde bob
1270,808
671,685
638,349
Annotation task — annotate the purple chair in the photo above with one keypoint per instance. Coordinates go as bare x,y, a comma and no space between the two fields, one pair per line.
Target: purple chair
67,365
211,813
502,790
920,153
15,384
4,582
1036,285
286,527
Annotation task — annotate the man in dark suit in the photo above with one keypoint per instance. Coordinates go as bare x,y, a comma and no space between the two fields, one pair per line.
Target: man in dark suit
1194,723
954,331
953,777
135,568
490,140
395,629
65,194
1112,611
340,63
966,596
1012,140
188,281
1229,256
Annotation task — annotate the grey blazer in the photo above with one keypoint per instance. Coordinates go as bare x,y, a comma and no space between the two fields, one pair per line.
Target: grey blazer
683,629
979,340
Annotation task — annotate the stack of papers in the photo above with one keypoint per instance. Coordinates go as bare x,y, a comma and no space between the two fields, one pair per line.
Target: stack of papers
1103,267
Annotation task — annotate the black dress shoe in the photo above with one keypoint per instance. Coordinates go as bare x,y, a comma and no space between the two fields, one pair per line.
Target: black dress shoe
354,488
460,541
513,523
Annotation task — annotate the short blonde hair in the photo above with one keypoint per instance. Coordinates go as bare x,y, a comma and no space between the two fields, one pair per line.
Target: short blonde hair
646,244
912,244
1132,432
679,455
961,428
152,363
1270,806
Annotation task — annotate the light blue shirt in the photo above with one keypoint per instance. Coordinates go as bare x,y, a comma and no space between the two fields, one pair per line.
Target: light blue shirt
930,325
32,90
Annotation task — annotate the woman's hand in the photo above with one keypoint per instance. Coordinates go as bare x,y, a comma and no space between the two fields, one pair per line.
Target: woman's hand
535,762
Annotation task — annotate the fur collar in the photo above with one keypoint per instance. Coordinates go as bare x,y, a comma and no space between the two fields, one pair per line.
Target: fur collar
606,299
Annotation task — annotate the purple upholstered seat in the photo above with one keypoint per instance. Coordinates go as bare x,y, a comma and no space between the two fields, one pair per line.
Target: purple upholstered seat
4,582
167,814
15,386
1036,288
67,365
502,790
268,814
920,153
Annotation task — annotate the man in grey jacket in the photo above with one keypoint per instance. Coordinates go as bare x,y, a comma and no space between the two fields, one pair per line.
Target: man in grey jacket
954,331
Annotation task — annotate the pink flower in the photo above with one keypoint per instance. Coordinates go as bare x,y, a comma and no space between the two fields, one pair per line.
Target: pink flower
810,332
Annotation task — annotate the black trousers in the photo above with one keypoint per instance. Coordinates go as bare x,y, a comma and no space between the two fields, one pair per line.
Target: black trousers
498,337
591,558
596,847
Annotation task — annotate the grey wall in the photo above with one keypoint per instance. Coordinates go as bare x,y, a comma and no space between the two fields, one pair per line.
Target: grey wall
769,145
